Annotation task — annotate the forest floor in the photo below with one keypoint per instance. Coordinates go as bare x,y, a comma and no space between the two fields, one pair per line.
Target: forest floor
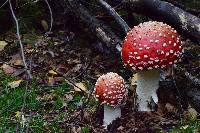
52,101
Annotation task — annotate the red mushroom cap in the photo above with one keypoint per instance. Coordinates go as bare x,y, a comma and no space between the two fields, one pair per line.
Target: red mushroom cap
110,89
151,45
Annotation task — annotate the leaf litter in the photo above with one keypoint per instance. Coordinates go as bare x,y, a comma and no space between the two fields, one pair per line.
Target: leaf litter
52,60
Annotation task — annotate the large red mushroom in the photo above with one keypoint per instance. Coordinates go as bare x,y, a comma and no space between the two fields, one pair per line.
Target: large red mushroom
110,91
147,48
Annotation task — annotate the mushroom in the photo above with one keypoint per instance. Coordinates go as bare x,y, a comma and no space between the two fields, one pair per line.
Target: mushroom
110,91
147,48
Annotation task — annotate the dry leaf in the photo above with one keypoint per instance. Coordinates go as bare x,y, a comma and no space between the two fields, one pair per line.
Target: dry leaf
18,115
134,79
15,84
2,45
16,60
7,69
52,72
80,85
68,97
45,25
191,114
51,81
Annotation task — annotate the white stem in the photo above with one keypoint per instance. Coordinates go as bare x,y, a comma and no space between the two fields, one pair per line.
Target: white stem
147,85
110,114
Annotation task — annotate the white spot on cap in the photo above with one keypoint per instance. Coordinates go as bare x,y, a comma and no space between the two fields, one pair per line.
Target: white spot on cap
145,56
138,57
164,44
150,62
135,53
174,44
163,66
133,68
141,68
171,51
149,68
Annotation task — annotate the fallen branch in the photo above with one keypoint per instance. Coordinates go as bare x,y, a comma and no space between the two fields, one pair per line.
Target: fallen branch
115,15
103,32
188,23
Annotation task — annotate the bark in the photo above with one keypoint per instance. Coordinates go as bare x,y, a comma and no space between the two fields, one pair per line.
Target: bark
111,11
100,29
186,22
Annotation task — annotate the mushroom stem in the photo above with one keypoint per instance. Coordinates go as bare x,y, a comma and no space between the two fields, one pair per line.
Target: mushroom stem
110,114
147,85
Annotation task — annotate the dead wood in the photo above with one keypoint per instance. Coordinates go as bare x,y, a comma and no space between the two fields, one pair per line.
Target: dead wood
111,11
100,29
177,17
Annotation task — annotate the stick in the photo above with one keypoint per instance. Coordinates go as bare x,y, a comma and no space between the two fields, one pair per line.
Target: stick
188,23
115,15
101,30
20,42
50,11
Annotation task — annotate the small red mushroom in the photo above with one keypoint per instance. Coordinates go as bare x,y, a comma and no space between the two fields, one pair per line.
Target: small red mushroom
147,48
110,91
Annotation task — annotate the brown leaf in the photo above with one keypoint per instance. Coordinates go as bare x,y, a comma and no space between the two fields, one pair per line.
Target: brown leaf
7,69
2,45
14,84
51,81
80,85
16,60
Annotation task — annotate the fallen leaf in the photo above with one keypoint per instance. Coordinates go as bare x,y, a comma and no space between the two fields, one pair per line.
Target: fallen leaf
51,81
191,114
68,97
16,60
79,86
15,84
184,127
134,79
2,45
8,70
52,72
45,25
18,115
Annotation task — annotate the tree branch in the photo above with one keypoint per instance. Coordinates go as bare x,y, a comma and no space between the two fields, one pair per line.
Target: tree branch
157,9
102,31
115,15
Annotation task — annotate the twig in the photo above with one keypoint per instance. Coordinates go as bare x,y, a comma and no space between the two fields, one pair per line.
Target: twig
115,15
20,42
50,11
86,68
4,4
69,81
